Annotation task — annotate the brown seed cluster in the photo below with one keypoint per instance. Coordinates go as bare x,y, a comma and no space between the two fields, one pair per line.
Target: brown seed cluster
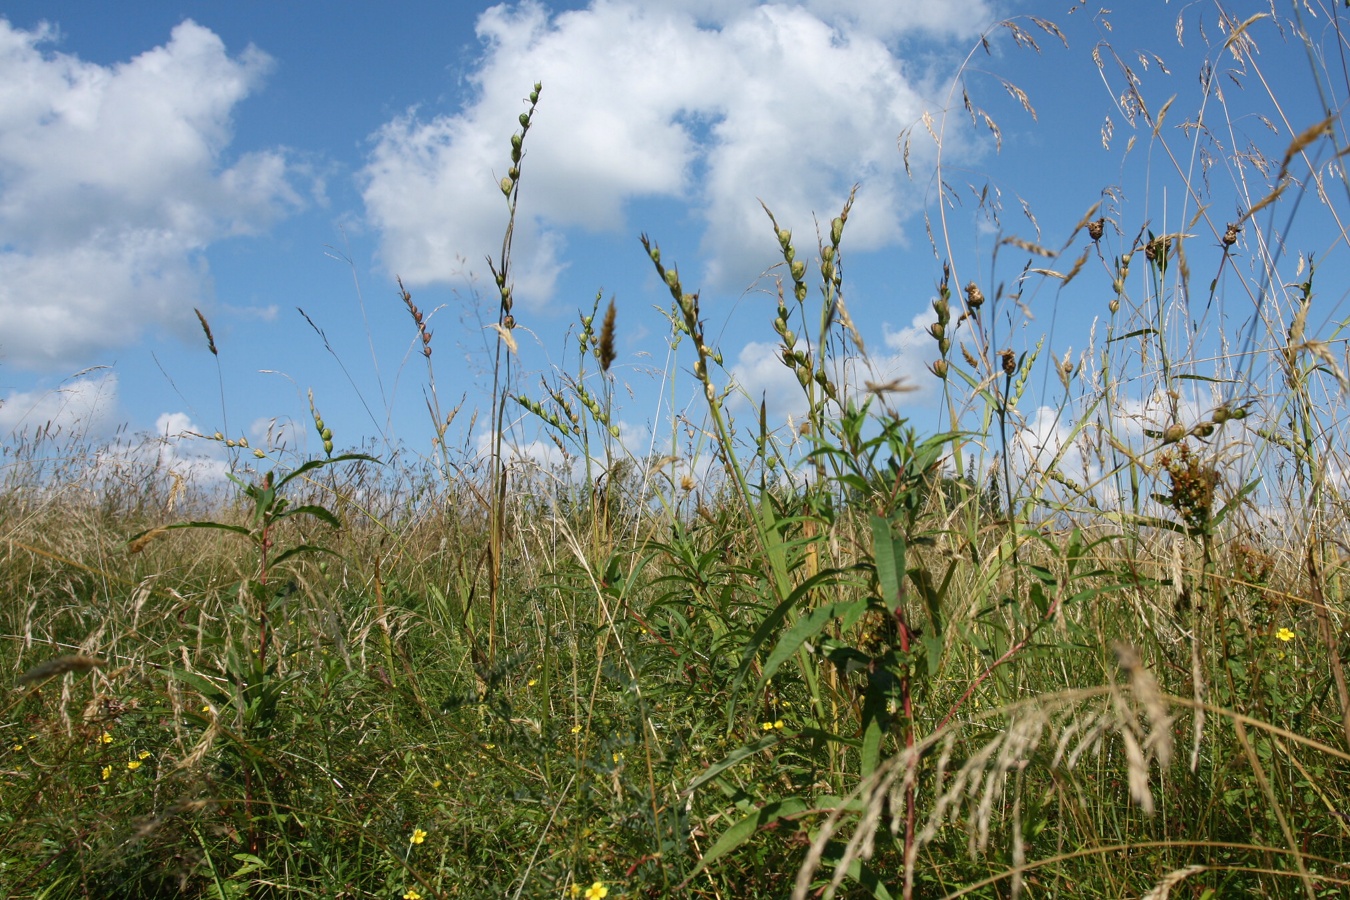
1192,485
418,319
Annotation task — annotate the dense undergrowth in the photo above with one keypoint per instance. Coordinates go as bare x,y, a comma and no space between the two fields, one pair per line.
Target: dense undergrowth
855,657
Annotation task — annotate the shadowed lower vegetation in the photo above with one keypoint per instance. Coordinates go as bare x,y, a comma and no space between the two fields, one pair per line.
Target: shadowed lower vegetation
1092,650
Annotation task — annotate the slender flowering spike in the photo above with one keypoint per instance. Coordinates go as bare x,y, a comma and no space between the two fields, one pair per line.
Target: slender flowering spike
606,349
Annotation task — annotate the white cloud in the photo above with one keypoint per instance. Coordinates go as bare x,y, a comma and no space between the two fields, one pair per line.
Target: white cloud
81,408
888,19
788,104
111,185
173,447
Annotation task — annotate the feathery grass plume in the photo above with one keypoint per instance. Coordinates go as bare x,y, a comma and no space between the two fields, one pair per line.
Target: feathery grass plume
206,329
59,665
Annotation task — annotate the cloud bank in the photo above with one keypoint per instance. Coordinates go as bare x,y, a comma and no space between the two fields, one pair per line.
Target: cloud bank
718,105
111,185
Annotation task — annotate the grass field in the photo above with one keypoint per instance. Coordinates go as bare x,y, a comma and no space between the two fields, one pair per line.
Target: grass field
852,657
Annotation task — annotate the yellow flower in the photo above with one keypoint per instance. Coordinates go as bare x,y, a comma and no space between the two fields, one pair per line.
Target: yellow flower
106,738
597,891
575,890
107,772
1285,634
411,894
144,754
418,836
134,765
532,682
17,747
576,729
770,726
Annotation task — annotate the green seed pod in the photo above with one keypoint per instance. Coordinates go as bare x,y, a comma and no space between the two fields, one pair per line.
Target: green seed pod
784,238
937,330
614,431
837,230
513,173
516,141
672,279
524,120
939,368
243,442
328,447
1173,433
803,377
790,338
506,185
798,270
258,454
326,434
218,436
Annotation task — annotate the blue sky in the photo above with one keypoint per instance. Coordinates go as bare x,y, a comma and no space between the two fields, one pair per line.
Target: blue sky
249,159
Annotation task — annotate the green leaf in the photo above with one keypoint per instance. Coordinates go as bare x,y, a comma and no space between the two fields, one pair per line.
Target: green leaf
888,552
730,760
320,463
318,512
771,624
807,627
746,828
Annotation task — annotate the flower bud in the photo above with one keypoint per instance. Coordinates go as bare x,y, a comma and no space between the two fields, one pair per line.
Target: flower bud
1173,433
939,368
506,185
524,120
837,230
798,270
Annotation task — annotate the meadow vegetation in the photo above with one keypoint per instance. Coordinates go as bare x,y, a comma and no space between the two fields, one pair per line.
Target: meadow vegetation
849,656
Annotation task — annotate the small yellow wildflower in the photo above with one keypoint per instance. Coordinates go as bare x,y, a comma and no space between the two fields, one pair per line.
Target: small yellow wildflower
532,682
144,754
1285,634
418,836
597,891
576,729
770,726
575,891
134,765
411,894
107,772
17,747
106,738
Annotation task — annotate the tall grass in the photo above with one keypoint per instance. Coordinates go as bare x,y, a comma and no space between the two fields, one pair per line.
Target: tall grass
1091,649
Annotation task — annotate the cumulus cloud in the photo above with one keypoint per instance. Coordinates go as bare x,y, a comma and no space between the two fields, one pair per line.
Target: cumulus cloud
718,105
82,407
112,182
